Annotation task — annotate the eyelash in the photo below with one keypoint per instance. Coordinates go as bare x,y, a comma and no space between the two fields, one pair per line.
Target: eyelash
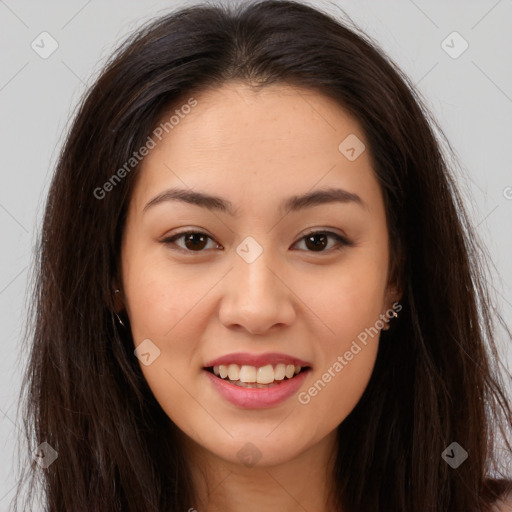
342,241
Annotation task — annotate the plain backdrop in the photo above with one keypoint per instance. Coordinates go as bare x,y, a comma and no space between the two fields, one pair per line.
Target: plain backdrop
468,89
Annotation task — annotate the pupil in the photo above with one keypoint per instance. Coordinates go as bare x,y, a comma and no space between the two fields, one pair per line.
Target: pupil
193,237
317,245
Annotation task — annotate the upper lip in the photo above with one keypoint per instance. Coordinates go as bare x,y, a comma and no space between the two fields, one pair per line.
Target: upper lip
257,360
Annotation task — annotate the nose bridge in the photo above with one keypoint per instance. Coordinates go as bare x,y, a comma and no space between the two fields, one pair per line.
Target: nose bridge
254,274
255,298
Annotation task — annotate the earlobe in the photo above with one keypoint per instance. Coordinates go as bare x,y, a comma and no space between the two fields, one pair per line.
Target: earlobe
393,307
118,305
118,302
394,297
393,312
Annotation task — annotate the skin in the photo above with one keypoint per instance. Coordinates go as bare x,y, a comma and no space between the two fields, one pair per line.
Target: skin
256,149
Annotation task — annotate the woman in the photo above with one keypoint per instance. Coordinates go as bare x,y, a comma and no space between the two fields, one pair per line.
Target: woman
257,286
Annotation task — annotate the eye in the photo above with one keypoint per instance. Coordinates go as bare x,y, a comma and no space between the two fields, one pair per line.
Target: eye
316,241
194,241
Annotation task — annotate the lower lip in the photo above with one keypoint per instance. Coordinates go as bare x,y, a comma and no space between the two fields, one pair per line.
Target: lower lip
257,398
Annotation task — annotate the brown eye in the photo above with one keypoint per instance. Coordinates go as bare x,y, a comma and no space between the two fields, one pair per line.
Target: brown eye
193,241
317,241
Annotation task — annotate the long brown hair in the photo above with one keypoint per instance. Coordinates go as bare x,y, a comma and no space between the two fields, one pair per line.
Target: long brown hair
436,379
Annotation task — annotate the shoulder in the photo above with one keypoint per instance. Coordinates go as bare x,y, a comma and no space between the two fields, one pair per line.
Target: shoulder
503,504
503,489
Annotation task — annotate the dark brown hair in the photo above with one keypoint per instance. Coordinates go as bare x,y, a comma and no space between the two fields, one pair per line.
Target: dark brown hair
436,378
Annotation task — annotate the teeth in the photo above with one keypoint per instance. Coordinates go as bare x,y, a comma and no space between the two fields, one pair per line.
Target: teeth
233,372
250,374
280,372
265,374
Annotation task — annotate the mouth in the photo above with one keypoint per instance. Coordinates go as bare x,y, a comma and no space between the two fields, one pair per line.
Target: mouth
262,377
256,381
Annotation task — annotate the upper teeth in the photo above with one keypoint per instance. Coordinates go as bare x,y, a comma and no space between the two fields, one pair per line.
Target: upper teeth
262,375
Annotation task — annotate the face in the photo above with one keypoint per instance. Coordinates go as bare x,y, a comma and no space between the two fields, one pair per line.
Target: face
259,283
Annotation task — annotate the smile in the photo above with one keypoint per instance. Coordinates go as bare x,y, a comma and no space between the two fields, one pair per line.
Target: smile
256,377
256,381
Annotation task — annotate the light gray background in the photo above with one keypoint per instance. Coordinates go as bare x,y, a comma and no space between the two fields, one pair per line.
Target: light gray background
471,97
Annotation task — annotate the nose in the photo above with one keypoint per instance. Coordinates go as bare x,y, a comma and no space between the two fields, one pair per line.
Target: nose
257,296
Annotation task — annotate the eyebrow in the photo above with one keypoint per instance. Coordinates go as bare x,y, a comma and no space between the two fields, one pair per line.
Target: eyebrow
292,204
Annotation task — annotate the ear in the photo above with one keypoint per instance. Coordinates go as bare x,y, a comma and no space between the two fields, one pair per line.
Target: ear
394,294
118,298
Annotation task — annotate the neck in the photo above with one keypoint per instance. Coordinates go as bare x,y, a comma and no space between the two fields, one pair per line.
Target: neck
303,483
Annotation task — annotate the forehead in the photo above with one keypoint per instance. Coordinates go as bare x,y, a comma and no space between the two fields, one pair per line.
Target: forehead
276,140
276,116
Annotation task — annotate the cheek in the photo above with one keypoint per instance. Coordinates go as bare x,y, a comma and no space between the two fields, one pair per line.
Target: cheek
344,370
333,394
160,296
164,309
350,307
347,299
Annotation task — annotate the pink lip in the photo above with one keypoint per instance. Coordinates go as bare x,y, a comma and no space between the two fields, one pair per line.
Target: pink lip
258,360
257,398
